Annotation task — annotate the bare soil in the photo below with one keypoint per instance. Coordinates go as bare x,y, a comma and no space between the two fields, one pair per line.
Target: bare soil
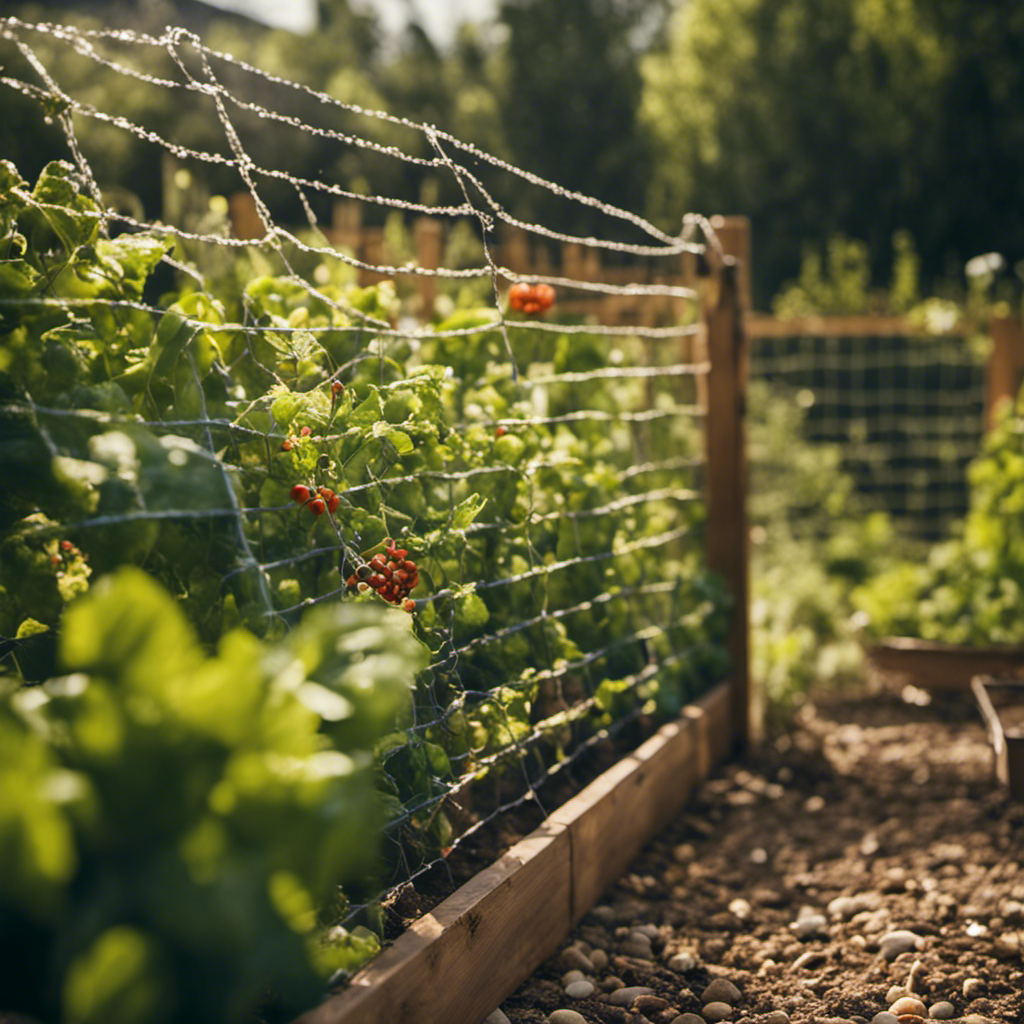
876,797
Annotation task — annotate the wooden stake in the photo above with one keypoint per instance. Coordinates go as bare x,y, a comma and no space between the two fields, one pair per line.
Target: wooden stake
1005,368
727,534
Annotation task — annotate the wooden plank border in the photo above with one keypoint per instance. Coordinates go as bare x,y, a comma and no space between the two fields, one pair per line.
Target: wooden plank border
459,962
933,665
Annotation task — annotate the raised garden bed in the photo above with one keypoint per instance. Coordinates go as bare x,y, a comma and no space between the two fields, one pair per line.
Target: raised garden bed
458,962
938,666
1001,702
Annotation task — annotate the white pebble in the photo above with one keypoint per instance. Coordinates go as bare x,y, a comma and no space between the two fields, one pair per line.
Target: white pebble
896,992
885,1017
580,989
809,926
684,961
570,976
813,804
741,908
759,855
625,996
650,930
941,1011
892,944
566,1017
496,1017
973,987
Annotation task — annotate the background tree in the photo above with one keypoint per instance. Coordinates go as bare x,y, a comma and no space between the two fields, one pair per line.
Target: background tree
571,100
812,116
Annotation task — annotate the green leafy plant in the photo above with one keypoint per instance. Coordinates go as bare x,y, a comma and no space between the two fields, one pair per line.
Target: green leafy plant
968,589
179,822
263,439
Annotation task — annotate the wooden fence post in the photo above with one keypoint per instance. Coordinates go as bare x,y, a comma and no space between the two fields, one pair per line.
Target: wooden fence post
347,225
427,235
727,533
1005,368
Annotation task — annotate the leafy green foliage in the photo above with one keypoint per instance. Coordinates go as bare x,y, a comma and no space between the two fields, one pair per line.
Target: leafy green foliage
559,588
815,540
177,819
968,590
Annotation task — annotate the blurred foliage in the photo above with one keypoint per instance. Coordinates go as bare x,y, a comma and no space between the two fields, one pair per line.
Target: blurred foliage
176,824
814,539
968,589
824,117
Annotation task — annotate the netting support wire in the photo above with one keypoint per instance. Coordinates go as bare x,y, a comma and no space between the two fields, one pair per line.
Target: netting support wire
723,394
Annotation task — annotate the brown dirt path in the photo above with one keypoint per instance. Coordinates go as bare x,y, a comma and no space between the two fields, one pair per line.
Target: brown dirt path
788,869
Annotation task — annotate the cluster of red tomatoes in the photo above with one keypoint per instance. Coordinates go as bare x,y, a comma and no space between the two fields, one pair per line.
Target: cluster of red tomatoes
318,502
67,551
393,577
531,298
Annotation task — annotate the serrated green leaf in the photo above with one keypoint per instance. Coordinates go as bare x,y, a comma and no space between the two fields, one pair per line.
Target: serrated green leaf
466,511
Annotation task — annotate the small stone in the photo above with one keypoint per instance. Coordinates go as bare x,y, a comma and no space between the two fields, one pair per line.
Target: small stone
599,958
741,908
684,853
885,1017
896,992
811,958
977,1018
580,989
814,804
774,1017
1008,944
566,1017
604,914
648,1005
908,1004
809,926
496,1017
910,1018
943,1010
638,945
721,990
758,855
688,1018
574,958
649,930
973,987
717,1011
570,976
611,983
892,944
624,996
684,961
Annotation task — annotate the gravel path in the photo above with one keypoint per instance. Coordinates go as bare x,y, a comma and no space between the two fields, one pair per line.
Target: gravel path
863,868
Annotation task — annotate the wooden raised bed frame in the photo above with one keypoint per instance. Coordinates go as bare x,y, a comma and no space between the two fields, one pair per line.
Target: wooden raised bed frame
937,666
457,963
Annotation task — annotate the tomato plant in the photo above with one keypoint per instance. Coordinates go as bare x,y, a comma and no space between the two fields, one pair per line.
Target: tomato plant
262,447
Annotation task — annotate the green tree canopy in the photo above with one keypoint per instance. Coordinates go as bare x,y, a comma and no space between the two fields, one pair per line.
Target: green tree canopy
857,116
